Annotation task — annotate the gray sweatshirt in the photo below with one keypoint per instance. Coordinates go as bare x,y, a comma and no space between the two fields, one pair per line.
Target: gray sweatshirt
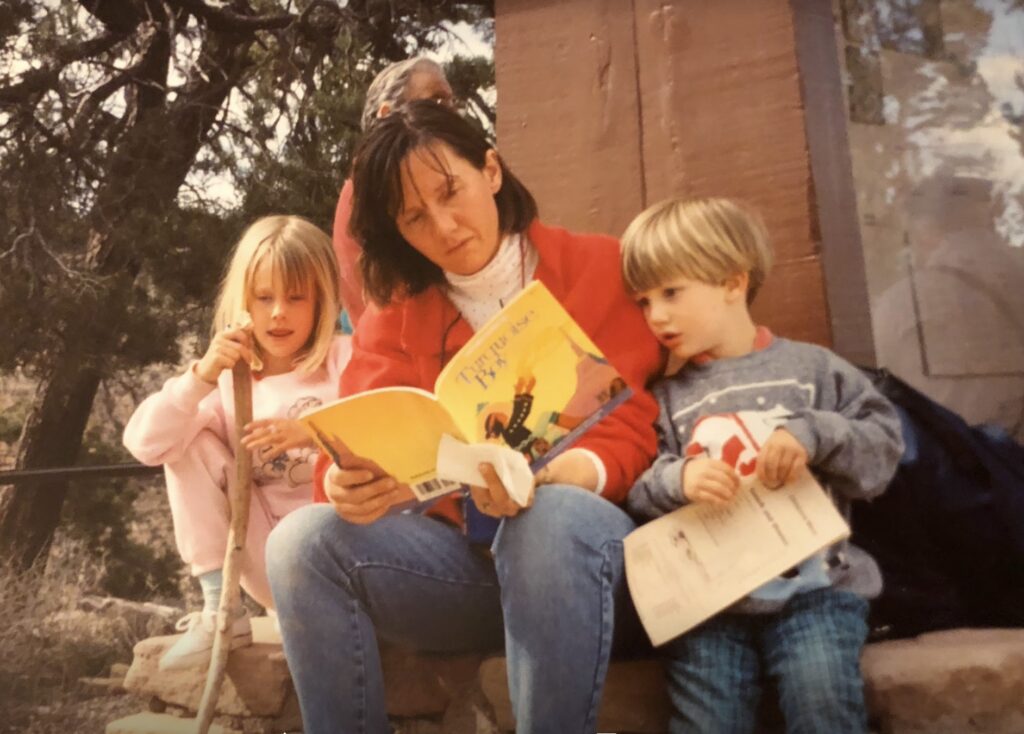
727,409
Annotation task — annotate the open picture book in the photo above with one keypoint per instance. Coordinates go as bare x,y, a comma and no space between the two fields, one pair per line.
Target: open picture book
530,379
694,562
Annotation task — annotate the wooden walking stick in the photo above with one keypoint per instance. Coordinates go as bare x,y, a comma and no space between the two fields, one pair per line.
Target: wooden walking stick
239,495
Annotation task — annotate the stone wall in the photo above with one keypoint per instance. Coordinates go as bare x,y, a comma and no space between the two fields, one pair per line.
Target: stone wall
605,107
951,682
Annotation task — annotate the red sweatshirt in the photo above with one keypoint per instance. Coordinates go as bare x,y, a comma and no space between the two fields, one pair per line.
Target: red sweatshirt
347,250
408,342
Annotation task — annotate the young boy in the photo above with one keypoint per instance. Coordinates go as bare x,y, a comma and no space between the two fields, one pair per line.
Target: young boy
746,402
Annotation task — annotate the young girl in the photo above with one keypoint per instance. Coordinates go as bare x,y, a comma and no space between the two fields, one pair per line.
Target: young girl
277,310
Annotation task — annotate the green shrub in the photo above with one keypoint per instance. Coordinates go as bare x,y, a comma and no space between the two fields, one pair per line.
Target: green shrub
136,547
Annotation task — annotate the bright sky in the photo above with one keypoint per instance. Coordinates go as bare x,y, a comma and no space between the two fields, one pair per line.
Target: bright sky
469,43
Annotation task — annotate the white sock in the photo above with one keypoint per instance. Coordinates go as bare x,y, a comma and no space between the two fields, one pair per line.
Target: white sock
211,583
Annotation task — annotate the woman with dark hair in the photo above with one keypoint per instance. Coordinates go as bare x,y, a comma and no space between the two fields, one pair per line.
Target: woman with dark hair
397,85
450,235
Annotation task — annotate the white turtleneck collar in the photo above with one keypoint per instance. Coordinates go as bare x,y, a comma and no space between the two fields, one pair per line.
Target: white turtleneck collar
482,294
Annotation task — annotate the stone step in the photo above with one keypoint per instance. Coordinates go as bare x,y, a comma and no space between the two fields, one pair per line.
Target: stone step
634,697
257,683
952,682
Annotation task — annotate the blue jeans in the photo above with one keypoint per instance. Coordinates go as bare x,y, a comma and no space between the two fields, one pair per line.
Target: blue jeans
810,650
551,596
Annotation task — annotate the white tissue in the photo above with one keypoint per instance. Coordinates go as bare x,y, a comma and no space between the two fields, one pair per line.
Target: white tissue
458,462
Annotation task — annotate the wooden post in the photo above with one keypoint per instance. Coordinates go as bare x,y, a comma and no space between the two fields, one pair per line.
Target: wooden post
239,495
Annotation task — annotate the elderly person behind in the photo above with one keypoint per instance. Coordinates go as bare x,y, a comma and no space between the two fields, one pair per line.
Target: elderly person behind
450,234
397,85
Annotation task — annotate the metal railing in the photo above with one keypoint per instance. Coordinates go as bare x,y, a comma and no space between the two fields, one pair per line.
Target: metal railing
17,476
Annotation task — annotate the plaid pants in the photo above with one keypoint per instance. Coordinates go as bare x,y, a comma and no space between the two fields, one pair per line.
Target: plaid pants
810,650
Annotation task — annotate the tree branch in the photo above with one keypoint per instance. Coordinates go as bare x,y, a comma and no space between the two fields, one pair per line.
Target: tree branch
481,105
119,16
224,20
39,80
97,96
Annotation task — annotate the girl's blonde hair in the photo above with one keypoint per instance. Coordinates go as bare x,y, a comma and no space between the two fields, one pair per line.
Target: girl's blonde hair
707,240
302,257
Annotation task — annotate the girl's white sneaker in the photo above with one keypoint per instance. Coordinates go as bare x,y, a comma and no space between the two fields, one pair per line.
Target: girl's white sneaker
194,648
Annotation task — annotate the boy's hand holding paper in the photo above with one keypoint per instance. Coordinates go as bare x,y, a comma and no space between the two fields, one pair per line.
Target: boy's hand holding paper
695,561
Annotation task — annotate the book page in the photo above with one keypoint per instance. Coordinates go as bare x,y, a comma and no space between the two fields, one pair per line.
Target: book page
398,428
530,378
691,563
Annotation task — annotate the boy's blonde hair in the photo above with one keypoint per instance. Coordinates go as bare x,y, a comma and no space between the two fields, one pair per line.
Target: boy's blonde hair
302,257
707,240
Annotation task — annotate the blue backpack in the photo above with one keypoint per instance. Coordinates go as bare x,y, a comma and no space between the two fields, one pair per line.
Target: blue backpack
948,533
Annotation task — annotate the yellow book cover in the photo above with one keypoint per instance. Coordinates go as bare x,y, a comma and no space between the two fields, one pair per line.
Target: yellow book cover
530,378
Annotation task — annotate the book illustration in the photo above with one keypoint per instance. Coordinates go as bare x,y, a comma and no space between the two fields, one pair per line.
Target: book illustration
596,387
694,562
530,378
509,425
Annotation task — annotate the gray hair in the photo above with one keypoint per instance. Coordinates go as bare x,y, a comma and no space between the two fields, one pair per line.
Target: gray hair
389,86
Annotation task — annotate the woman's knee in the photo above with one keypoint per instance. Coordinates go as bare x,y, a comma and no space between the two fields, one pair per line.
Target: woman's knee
565,530
567,515
294,544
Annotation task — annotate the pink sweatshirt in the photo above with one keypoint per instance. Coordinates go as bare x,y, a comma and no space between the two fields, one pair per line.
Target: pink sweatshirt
166,423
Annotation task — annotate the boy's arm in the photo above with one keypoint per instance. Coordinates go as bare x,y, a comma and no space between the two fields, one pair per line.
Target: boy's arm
659,489
853,439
